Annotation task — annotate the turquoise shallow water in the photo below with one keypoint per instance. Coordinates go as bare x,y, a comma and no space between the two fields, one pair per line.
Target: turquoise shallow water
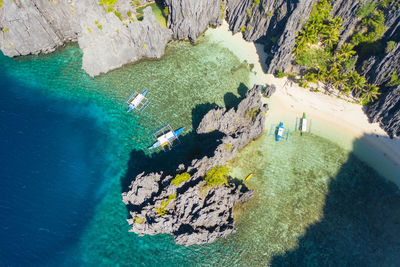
315,203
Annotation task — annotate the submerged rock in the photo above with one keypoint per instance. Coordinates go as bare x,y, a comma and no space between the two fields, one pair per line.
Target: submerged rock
194,213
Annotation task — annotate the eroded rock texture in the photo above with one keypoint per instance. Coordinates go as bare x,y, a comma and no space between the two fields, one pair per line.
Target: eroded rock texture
188,18
386,111
198,215
116,44
107,41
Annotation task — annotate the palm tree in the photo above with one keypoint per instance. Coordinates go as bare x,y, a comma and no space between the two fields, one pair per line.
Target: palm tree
345,52
333,74
371,92
321,75
339,81
356,82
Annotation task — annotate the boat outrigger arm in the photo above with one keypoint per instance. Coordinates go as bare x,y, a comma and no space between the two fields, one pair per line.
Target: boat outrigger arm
279,132
304,125
166,136
138,101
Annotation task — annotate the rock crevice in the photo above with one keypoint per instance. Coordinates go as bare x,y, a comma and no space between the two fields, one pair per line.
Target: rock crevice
195,213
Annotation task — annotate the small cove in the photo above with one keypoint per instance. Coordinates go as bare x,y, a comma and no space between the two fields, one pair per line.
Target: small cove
292,190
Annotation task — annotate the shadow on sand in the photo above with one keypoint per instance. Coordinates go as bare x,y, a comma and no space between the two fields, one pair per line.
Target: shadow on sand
360,226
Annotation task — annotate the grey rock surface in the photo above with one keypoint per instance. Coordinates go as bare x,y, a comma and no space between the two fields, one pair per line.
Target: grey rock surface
277,21
116,44
188,18
378,70
386,111
107,42
269,91
35,26
198,214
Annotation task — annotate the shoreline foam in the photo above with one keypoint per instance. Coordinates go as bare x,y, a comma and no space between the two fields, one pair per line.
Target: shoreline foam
340,121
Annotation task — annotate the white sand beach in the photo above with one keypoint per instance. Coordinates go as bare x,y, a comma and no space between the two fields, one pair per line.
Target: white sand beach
340,121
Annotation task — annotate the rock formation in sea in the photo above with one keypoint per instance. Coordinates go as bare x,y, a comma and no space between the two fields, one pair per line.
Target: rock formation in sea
191,211
116,43
109,35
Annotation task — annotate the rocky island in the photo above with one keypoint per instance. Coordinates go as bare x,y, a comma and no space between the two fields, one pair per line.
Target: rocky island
195,204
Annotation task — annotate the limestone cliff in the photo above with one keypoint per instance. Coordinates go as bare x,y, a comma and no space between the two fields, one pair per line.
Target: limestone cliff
109,36
192,212
115,44
188,18
276,21
386,111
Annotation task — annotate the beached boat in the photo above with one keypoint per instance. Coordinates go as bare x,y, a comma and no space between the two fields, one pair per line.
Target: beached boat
166,137
138,101
304,125
279,132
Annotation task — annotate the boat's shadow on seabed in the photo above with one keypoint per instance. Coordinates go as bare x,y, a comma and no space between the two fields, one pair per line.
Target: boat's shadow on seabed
360,225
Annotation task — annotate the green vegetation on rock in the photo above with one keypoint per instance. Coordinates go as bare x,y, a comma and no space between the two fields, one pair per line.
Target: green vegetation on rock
252,113
180,178
280,74
1,3
390,46
316,49
161,210
217,176
366,9
108,6
139,220
394,80
157,11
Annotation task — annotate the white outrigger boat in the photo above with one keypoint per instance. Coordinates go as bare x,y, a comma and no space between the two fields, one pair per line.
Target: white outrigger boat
303,126
279,132
166,137
138,101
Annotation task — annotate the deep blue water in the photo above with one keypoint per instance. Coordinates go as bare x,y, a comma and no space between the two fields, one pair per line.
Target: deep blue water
52,166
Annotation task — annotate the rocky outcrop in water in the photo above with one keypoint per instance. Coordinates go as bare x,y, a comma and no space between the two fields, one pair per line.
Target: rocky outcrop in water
108,39
195,213
189,19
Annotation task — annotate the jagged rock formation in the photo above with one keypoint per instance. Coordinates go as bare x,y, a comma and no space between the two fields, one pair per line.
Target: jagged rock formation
277,20
378,70
31,27
386,111
196,214
188,19
107,41
116,44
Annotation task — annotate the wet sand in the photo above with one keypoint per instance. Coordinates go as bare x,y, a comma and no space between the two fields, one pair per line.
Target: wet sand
340,121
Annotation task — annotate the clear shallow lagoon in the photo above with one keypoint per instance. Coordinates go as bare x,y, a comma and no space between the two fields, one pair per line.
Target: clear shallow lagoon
66,141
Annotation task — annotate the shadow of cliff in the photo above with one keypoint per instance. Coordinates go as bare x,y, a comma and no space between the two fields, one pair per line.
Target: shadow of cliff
361,221
231,100
192,146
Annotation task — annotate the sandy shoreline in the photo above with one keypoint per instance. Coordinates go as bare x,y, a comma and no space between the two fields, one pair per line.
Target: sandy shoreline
335,119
